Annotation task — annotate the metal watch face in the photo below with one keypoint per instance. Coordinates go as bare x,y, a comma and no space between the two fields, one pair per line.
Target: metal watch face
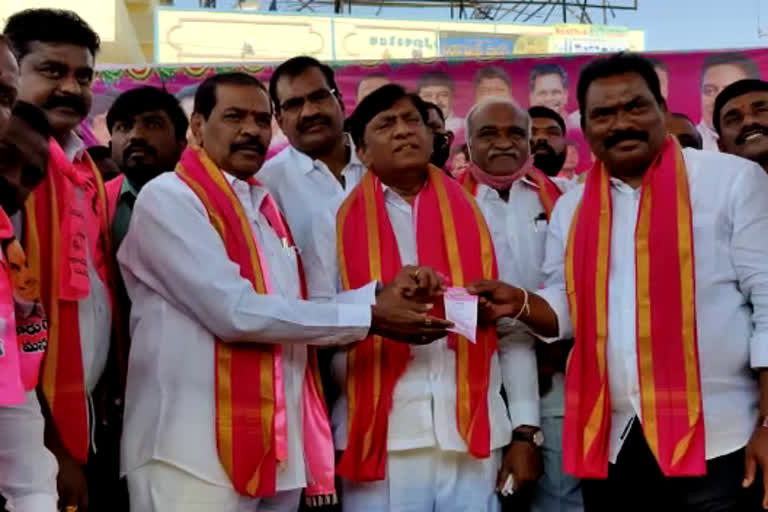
538,438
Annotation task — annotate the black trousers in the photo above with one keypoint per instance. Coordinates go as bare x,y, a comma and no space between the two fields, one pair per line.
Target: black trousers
635,483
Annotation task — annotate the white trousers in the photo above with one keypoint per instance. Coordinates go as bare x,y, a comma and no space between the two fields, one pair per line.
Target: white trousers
160,487
426,480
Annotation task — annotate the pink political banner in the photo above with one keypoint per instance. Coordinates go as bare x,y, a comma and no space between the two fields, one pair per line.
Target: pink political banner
690,82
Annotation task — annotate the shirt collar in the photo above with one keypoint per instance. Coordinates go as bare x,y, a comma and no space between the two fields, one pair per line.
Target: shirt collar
73,147
307,165
485,190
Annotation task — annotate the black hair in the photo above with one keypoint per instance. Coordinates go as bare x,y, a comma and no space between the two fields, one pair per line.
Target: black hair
547,68
542,111
143,99
617,64
489,72
431,106
49,26
440,78
378,101
735,90
658,63
295,67
205,96
98,153
747,65
33,116
680,115
378,74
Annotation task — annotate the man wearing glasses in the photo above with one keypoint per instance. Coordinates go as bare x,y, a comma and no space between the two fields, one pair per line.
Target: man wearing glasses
313,175
718,72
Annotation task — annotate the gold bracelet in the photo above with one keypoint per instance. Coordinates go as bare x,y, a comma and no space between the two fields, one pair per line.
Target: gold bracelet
526,308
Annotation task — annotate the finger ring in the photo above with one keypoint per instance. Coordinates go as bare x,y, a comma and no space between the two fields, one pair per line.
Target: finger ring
71,508
427,321
415,275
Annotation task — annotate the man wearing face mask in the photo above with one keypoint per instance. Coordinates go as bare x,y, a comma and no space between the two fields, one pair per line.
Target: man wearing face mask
442,138
548,145
517,200
56,51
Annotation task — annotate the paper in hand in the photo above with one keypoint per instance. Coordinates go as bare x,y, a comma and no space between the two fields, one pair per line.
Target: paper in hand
461,309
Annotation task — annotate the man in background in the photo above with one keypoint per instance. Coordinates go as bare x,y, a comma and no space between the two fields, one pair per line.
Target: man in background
442,138
741,120
491,81
438,87
548,145
662,71
370,83
718,72
548,87
683,128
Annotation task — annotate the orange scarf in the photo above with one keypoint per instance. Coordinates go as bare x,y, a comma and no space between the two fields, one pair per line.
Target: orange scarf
548,191
55,237
368,251
250,394
667,354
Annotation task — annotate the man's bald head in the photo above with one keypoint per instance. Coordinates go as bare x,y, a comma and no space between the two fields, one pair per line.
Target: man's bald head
9,82
498,132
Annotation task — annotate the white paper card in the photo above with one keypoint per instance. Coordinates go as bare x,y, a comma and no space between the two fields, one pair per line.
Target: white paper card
461,309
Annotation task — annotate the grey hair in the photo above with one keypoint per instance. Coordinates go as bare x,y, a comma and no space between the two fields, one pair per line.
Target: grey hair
493,101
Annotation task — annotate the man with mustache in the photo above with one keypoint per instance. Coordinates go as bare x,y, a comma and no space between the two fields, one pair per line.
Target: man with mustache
66,215
441,147
547,140
315,173
516,199
403,419
220,378
684,130
27,467
741,120
657,266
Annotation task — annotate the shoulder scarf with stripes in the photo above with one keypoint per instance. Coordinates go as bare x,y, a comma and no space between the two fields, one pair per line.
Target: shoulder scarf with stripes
452,238
55,239
250,394
667,354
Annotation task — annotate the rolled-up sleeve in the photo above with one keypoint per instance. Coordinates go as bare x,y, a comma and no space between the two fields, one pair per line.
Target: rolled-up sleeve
553,268
748,209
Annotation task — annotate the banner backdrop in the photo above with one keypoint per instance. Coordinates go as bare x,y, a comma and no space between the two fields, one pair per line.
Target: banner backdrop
690,82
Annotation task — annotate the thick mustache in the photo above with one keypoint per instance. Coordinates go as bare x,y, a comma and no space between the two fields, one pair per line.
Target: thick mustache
250,144
543,145
747,130
139,145
308,122
510,153
74,102
623,135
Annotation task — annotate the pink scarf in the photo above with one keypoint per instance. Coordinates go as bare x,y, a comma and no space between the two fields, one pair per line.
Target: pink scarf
499,182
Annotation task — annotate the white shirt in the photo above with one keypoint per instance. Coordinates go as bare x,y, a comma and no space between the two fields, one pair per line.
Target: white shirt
305,189
730,226
185,290
424,410
709,137
518,229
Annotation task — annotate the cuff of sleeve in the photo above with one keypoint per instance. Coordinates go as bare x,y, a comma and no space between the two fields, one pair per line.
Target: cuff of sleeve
365,295
35,503
758,352
355,316
524,413
558,301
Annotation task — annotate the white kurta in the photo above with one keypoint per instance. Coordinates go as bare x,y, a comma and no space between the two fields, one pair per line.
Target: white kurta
730,229
306,190
185,290
424,410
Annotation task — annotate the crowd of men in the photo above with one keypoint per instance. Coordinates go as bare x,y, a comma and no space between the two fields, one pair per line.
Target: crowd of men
208,331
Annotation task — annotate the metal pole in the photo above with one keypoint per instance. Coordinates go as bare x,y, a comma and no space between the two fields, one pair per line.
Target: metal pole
565,12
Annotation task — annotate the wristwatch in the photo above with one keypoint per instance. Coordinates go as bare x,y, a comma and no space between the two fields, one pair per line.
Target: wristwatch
535,437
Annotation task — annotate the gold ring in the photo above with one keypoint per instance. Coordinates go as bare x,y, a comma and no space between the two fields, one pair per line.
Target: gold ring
415,275
71,508
427,321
